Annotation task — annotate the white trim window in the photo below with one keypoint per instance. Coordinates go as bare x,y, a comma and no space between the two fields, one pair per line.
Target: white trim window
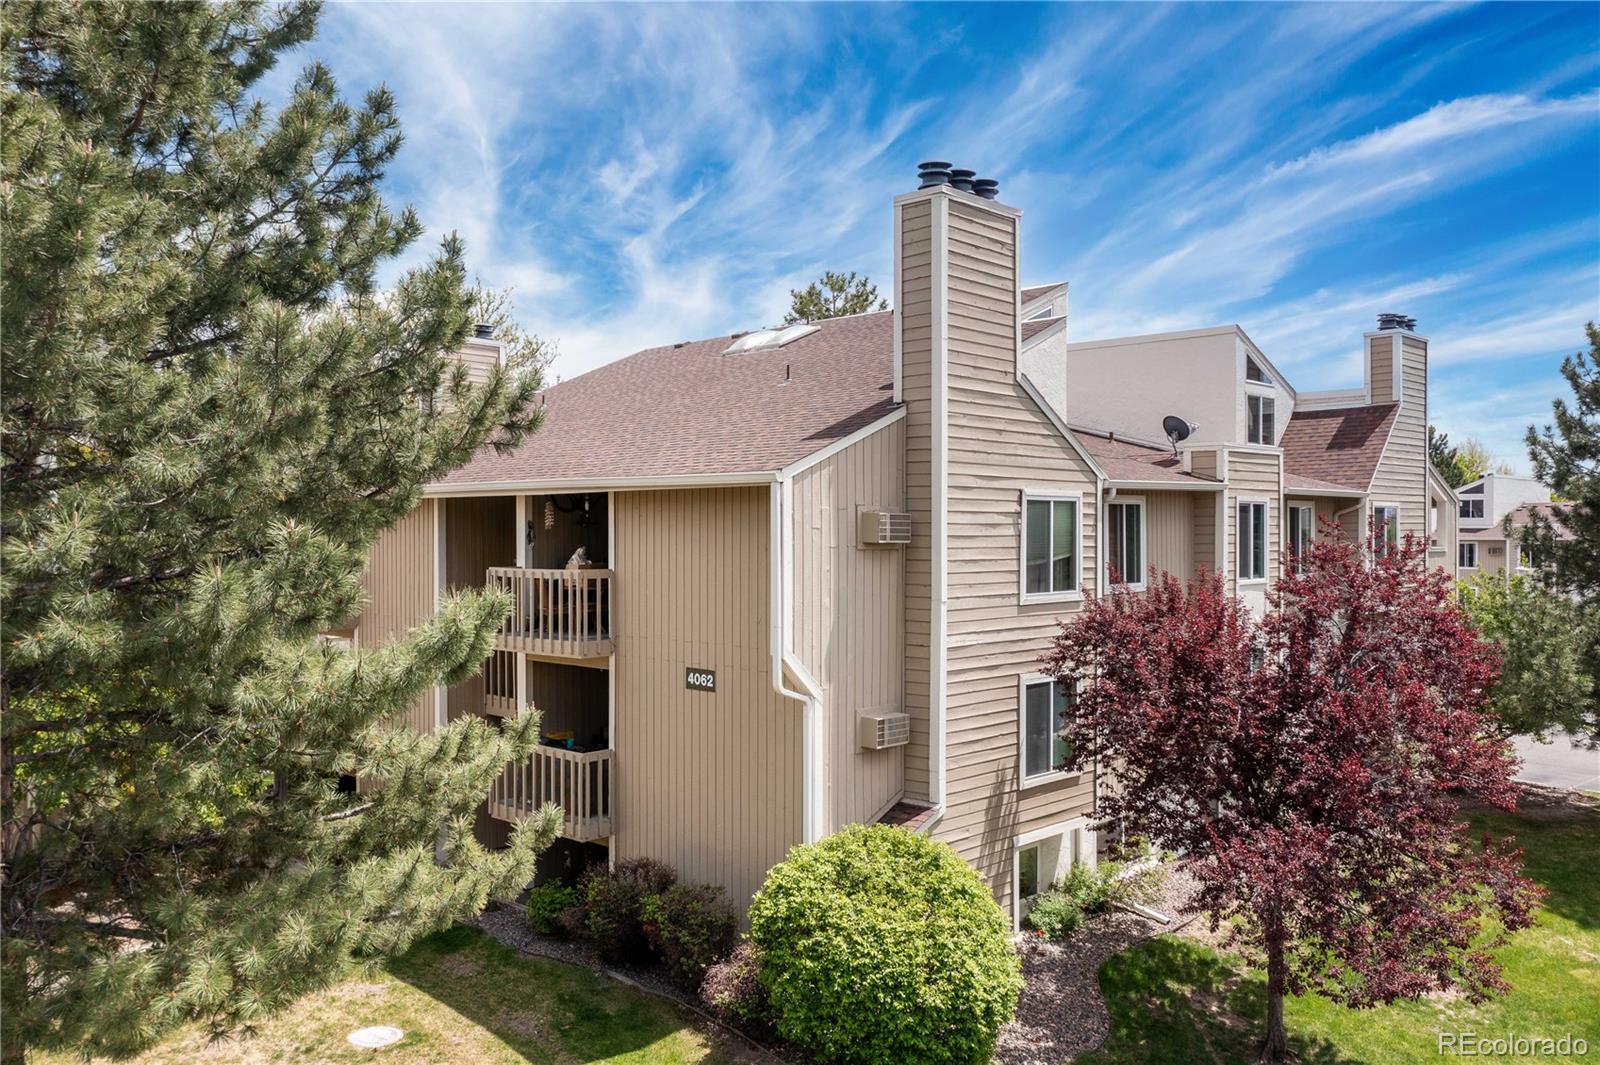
1252,540
1125,541
1472,508
1044,705
1386,516
1467,556
1261,426
1052,546
1302,527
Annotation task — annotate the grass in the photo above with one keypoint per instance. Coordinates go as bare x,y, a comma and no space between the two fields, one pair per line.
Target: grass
464,999
1173,999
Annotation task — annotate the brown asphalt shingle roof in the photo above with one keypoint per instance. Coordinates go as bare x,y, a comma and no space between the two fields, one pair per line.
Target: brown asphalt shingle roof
1340,446
1123,460
687,410
1299,482
1034,326
1033,292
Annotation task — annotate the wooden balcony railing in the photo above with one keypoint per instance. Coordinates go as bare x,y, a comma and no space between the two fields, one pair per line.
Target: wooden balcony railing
500,684
577,781
560,612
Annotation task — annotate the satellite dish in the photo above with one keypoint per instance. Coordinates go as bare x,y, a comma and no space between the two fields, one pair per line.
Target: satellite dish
1177,430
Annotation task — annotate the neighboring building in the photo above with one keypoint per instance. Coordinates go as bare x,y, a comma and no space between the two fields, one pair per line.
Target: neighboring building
1498,548
819,565
1291,459
1484,505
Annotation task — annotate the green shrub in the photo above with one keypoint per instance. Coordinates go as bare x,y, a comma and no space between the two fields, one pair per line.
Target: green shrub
613,901
689,927
732,989
1089,890
545,904
878,945
1055,915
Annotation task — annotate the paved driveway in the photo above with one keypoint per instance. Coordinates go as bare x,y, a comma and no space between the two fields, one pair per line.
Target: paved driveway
1561,763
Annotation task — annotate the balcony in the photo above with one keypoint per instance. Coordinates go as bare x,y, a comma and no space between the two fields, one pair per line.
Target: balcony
561,613
577,781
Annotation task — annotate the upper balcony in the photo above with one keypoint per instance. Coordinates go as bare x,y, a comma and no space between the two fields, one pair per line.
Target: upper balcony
560,613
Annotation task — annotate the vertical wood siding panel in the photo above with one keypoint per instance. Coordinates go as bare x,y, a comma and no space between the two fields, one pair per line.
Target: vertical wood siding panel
849,603
709,782
398,587
914,303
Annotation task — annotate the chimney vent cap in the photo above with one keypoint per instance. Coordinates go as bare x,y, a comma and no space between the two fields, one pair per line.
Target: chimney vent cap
1390,321
961,178
988,188
483,331
933,172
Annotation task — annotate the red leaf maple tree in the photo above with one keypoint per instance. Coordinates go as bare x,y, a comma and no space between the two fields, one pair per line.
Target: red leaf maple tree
1311,761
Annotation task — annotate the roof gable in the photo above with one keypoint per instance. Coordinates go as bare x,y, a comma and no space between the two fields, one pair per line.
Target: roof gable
1341,446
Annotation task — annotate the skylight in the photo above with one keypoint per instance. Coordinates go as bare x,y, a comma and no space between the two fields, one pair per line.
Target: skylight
767,339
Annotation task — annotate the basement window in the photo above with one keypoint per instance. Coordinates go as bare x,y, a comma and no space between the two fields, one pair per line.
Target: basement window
768,339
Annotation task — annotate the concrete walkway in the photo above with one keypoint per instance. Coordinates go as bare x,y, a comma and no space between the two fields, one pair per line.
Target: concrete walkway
1561,763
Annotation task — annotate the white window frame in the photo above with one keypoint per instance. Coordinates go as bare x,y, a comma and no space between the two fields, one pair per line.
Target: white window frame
1291,512
1239,532
1055,595
1392,529
1144,539
1053,776
1465,503
1263,397
1467,545
1073,833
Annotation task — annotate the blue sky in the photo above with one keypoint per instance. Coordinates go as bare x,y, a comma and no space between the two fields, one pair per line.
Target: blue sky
642,175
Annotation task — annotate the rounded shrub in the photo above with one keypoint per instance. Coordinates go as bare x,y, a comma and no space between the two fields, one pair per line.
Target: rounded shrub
690,927
613,901
732,989
545,904
880,946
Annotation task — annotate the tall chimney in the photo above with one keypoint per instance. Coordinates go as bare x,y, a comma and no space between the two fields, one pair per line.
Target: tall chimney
955,337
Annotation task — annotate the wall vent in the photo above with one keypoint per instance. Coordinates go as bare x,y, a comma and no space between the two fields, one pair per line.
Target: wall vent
877,730
884,528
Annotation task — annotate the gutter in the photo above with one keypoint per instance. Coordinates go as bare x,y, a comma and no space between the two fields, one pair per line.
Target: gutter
807,692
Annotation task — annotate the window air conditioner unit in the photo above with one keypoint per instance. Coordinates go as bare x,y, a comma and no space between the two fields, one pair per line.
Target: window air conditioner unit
877,730
884,528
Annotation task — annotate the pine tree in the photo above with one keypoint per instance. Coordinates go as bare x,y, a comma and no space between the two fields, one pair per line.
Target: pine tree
1566,456
833,296
210,411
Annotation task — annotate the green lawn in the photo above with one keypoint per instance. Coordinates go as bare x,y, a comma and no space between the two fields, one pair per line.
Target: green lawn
464,999
1174,1000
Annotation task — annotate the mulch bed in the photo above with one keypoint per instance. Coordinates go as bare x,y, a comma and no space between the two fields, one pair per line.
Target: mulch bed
1061,1013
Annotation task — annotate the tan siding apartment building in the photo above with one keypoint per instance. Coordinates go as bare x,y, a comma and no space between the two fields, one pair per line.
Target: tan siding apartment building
770,584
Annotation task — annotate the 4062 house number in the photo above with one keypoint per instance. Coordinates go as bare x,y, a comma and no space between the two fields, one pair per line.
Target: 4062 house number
700,680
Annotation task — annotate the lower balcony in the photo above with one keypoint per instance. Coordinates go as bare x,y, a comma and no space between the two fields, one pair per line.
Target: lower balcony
577,781
560,613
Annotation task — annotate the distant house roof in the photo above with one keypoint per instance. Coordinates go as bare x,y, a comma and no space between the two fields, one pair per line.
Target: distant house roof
1124,460
1034,326
1340,446
689,410
1554,513
1033,292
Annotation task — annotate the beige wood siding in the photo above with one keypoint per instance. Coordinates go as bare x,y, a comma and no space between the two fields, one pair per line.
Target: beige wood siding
1383,370
849,610
914,308
1171,530
1446,534
710,782
1401,476
480,358
478,533
399,591
1000,444
1254,476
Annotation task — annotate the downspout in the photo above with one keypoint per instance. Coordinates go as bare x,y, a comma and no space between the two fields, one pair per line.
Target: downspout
809,695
